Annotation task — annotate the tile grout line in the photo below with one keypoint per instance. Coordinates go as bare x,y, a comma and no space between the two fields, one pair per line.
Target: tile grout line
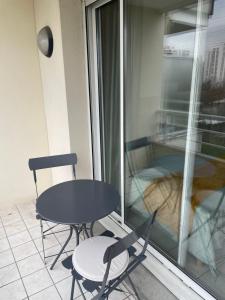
126,294
10,281
14,258
42,291
38,253
70,275
67,256
32,240
26,256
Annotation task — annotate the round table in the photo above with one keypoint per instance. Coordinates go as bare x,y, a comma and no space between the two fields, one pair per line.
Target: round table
77,202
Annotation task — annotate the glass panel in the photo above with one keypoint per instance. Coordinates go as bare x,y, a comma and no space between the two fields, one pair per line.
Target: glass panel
174,125
160,44
175,115
107,22
205,258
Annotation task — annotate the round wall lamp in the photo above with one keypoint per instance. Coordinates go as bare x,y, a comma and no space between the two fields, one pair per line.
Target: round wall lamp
45,41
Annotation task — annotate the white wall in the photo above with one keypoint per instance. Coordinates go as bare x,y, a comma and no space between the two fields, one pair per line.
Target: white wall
47,12
77,98
22,122
64,85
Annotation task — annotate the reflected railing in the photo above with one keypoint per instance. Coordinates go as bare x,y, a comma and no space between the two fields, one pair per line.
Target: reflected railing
158,183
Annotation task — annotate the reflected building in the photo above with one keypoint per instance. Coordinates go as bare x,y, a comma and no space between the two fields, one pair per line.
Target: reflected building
214,67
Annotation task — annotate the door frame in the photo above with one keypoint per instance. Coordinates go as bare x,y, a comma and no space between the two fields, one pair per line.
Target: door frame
180,284
94,90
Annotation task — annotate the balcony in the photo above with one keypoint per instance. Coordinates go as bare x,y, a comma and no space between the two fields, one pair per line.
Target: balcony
116,73
23,274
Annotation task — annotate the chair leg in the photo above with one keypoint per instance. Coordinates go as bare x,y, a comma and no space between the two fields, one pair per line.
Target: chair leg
91,229
85,230
63,247
42,239
82,293
72,288
133,287
77,231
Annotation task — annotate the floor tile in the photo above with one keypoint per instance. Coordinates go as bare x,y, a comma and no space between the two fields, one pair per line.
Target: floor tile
6,258
53,251
15,227
126,288
132,298
64,288
49,242
24,250
59,272
27,211
4,244
148,287
88,296
19,238
71,245
2,233
49,293
7,210
59,226
48,227
8,274
118,295
62,236
35,232
11,218
26,207
13,291
30,265
31,221
37,281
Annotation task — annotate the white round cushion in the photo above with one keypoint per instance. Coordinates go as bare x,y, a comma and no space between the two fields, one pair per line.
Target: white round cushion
88,259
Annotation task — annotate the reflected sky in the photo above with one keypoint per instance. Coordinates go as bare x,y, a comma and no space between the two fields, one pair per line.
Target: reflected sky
216,24
215,31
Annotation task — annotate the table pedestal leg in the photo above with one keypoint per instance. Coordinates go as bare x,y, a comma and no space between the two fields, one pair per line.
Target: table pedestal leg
91,229
63,247
85,230
77,234
72,227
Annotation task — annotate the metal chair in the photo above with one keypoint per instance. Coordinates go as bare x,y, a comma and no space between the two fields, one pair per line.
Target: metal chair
109,263
45,163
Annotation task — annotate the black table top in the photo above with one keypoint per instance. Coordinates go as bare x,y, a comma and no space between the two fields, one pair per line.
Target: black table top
77,202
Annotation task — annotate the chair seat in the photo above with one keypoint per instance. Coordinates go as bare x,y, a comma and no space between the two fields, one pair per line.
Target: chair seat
88,259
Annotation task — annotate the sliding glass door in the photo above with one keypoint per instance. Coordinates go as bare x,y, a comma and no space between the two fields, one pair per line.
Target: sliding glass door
108,56
159,63
157,83
104,46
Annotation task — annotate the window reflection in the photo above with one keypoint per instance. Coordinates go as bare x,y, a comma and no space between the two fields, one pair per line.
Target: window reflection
161,42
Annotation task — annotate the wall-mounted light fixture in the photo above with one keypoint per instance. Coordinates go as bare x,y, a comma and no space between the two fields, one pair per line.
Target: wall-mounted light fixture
45,41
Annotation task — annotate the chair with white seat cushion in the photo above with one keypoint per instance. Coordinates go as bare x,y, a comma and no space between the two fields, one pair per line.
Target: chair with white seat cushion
91,266
105,260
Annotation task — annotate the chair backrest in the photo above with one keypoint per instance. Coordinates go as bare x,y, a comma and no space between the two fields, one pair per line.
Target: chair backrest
124,243
138,143
142,144
53,161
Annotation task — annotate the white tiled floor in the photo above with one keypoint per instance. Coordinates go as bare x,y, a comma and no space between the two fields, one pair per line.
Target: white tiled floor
23,274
